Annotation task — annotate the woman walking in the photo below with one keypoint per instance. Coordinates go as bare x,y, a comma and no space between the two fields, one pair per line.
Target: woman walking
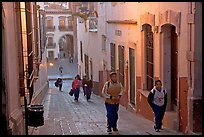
76,84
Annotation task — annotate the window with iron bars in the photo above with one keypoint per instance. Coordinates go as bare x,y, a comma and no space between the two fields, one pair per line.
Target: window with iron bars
148,38
121,63
113,57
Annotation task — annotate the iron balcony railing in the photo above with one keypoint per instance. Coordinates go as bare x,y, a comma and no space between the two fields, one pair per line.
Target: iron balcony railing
51,45
65,28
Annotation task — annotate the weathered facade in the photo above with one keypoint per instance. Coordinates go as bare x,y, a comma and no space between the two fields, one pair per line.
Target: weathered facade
90,60
146,41
23,56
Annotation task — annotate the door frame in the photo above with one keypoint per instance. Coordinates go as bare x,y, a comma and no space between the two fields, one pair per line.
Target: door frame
166,73
134,81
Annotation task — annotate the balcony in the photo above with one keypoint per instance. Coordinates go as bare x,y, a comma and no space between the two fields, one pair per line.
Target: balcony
51,45
62,28
65,28
50,28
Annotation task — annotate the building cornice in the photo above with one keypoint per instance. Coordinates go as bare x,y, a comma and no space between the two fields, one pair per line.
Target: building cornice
122,22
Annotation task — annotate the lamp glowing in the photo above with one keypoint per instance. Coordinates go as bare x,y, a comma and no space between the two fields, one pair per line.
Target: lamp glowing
51,64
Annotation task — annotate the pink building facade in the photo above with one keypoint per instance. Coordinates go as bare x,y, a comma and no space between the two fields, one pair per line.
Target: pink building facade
24,65
146,41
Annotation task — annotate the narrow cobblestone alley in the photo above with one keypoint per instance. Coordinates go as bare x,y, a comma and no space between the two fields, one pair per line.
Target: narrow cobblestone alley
147,54
63,116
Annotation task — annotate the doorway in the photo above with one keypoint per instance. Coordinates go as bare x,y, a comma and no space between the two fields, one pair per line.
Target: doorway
132,75
50,55
66,48
170,64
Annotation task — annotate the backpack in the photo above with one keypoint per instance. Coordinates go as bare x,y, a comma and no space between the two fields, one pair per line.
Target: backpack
108,84
150,98
155,91
56,84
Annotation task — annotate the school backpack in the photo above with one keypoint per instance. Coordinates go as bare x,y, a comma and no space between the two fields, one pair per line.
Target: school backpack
56,84
151,96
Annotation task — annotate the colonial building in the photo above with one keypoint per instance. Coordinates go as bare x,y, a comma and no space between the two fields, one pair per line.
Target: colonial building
89,53
143,42
59,30
24,66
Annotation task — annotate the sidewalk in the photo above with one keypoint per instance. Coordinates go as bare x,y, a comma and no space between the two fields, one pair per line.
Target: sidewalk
63,116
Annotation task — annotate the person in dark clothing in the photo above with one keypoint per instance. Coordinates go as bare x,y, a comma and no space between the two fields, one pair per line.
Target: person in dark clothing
157,100
72,60
84,82
3,129
60,69
88,89
59,82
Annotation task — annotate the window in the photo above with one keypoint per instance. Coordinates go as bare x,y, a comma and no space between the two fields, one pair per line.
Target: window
86,64
148,46
50,55
118,32
49,23
121,63
104,65
103,42
62,23
81,51
50,26
91,68
113,57
70,23
50,41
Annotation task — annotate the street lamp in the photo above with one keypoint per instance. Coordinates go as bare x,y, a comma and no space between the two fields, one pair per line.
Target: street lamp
51,64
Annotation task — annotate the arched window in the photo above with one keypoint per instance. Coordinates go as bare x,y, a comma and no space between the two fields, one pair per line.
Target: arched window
49,23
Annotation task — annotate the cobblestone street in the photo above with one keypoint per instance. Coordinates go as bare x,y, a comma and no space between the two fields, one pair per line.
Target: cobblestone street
63,116
144,57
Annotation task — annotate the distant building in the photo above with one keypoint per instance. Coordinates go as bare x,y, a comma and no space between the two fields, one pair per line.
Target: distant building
89,52
59,30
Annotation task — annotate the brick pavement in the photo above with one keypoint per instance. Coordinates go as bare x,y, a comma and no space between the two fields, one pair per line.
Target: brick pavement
63,116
